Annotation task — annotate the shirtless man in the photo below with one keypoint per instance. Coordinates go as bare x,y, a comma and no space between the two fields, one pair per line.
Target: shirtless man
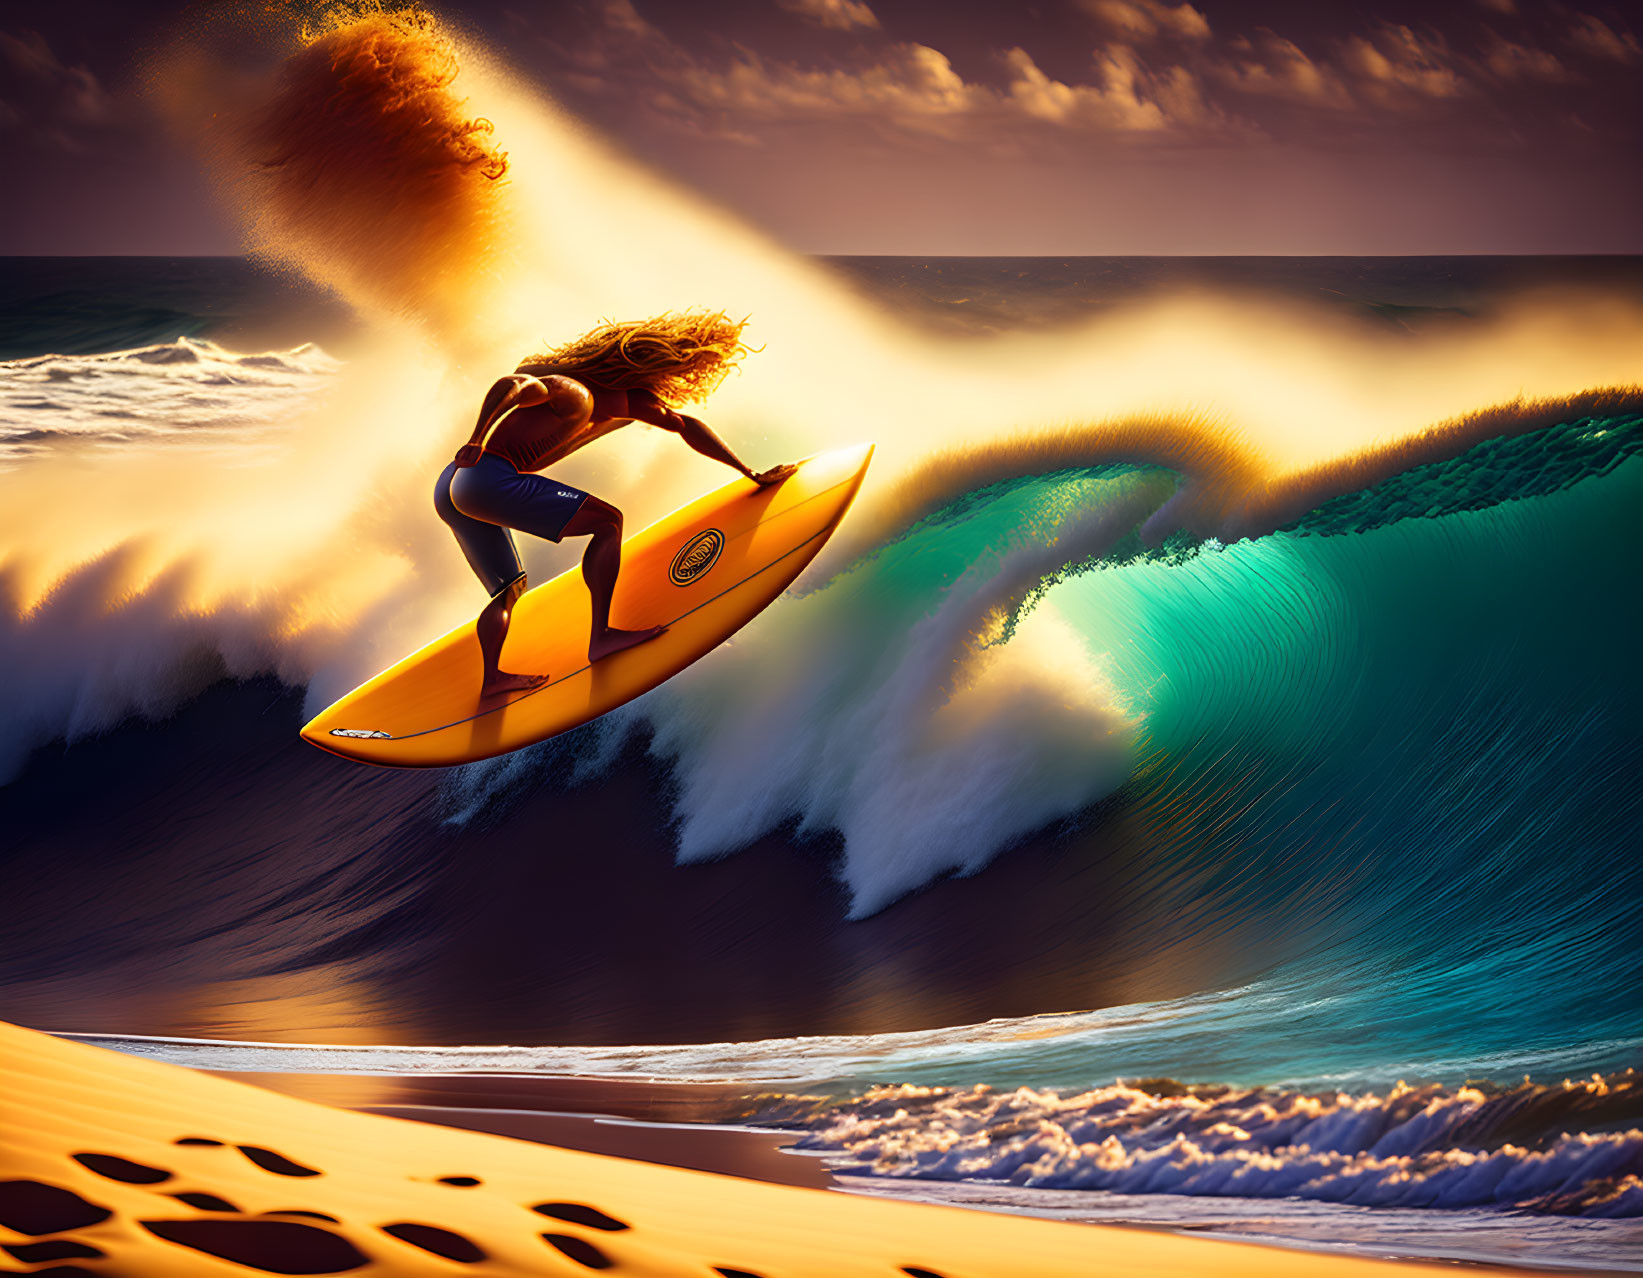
528,422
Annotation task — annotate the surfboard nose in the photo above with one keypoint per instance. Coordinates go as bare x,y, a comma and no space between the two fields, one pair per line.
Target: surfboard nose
849,461
856,456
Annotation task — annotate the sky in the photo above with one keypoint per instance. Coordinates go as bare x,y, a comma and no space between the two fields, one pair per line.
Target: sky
943,127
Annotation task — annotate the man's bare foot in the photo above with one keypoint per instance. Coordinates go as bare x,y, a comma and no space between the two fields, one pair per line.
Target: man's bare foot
504,683
614,640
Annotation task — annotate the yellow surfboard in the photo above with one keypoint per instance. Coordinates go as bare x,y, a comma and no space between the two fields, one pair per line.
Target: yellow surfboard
703,572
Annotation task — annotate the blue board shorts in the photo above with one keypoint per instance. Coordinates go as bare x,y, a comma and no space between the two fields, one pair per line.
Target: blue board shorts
483,501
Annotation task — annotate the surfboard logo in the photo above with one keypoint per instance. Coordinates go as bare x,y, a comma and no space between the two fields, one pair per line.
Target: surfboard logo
696,556
370,733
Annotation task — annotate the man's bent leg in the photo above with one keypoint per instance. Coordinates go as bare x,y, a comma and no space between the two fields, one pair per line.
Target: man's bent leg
492,629
492,555
601,563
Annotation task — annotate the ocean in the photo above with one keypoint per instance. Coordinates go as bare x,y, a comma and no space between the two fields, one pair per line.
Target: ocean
1128,821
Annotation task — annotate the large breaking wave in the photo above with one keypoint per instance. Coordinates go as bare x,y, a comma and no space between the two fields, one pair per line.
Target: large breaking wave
1408,676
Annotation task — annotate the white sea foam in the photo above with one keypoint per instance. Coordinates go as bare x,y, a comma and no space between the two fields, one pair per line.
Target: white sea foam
187,391
1431,1147
792,1062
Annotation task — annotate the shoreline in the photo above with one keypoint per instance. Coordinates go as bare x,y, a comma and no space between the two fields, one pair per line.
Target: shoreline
692,1125
167,1171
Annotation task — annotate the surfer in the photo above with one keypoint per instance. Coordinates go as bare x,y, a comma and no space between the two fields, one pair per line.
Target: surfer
552,405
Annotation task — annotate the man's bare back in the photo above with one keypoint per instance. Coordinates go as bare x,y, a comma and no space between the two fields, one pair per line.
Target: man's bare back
549,418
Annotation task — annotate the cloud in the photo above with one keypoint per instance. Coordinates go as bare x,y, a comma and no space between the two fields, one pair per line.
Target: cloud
1112,104
1394,62
1590,35
1272,67
77,95
1509,61
57,103
622,18
1473,82
915,87
1160,76
910,83
1391,65
1149,19
836,15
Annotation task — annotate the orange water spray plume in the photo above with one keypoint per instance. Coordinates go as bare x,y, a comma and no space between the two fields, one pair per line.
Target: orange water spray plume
367,169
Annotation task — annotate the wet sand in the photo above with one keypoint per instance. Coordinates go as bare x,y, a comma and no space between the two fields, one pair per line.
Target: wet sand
690,1125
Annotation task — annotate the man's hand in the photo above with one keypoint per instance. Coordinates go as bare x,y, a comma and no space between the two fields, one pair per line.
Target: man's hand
774,475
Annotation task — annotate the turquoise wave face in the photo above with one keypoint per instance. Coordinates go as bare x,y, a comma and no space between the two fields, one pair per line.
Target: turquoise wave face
876,706
1387,771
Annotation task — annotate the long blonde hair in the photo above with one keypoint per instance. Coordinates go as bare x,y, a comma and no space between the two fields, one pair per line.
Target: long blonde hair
680,356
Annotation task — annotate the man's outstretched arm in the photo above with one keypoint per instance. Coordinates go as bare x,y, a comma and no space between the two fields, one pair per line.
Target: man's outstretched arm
645,407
